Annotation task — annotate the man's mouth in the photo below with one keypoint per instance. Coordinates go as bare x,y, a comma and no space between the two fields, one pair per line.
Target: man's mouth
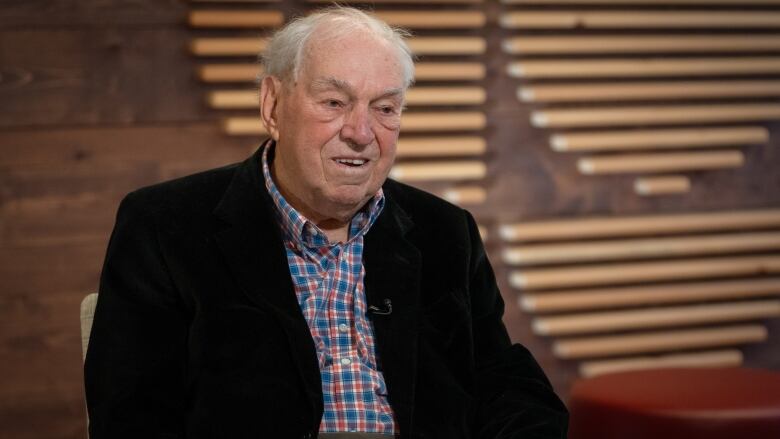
352,162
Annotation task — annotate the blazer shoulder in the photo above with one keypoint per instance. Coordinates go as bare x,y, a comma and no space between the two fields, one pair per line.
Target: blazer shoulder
190,196
425,209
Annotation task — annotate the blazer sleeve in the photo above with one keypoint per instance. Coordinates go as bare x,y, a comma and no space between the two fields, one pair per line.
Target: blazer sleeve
134,372
516,400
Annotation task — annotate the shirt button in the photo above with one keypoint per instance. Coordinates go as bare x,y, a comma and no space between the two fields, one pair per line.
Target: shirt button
343,328
346,361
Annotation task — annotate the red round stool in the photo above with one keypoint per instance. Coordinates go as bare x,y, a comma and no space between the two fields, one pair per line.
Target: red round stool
677,403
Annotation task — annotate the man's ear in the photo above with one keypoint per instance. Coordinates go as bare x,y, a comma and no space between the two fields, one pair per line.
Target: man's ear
270,90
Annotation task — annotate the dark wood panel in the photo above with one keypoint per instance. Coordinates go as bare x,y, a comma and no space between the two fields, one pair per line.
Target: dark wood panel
71,13
98,76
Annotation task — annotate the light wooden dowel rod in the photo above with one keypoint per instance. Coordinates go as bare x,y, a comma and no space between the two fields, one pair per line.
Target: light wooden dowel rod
430,171
658,247
628,140
578,324
465,195
229,72
235,1
600,298
654,115
596,227
662,185
723,358
642,2
450,121
410,122
445,96
647,67
637,272
660,162
647,91
447,45
633,44
449,71
227,46
446,19
659,139
241,19
639,19
423,72
440,146
416,2
416,96
593,347
238,46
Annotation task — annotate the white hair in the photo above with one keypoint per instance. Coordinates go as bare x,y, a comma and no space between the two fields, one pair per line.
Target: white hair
285,51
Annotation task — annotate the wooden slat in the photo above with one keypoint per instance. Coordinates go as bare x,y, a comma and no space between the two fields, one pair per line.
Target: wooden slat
447,45
235,1
624,273
465,195
423,72
596,227
449,121
600,298
415,2
229,72
578,324
642,2
659,139
445,19
592,347
445,96
449,71
654,115
722,358
237,46
648,67
410,122
416,96
647,91
431,171
633,44
658,247
234,18
662,185
660,162
639,19
227,46
440,146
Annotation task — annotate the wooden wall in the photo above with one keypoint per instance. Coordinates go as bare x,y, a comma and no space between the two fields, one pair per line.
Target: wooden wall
98,98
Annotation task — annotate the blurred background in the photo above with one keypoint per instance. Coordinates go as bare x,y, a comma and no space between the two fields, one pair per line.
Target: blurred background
620,157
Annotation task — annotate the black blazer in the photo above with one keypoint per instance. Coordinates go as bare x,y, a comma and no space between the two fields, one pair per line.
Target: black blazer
198,333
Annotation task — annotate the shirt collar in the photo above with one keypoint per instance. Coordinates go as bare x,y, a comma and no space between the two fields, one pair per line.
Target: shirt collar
302,231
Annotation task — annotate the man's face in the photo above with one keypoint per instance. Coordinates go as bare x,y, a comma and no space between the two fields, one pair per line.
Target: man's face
338,124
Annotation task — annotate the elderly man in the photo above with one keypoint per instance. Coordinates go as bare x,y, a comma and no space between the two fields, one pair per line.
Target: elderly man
301,294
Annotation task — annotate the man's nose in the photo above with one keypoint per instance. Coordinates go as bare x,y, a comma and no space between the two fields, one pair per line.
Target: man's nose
357,127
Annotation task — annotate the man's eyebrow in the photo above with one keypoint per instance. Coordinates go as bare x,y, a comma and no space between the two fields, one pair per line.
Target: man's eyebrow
329,82
334,83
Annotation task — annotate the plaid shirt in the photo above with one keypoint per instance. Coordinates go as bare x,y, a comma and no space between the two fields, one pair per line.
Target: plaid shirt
328,280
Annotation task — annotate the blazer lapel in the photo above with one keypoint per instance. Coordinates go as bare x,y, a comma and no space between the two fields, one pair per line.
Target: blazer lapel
392,266
253,248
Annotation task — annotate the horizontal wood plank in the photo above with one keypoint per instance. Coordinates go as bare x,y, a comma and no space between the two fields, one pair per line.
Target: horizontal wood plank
722,358
662,185
644,67
628,140
439,170
633,44
639,272
679,19
689,315
646,295
662,341
660,162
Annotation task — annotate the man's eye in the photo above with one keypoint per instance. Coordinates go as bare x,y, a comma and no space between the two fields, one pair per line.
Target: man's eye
387,110
333,103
